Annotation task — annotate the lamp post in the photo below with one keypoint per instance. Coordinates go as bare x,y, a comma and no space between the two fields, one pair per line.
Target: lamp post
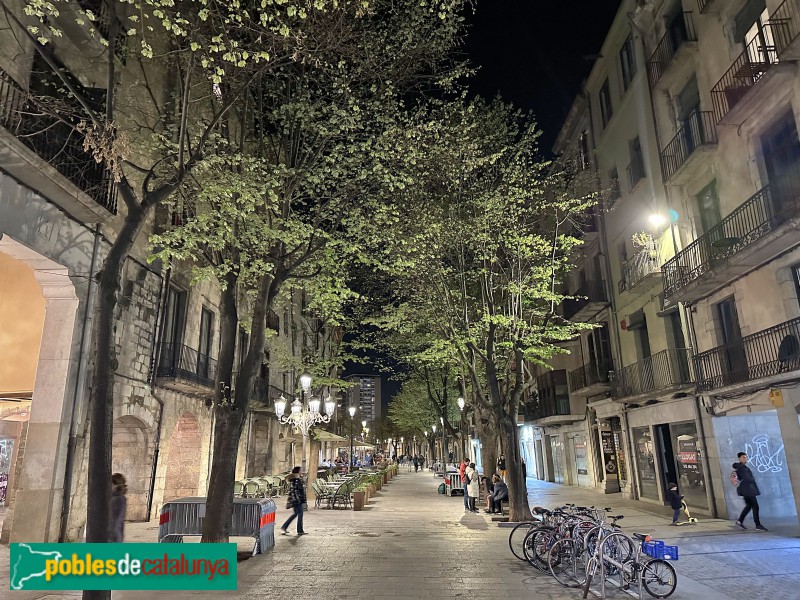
352,411
461,405
433,439
304,416
426,439
445,453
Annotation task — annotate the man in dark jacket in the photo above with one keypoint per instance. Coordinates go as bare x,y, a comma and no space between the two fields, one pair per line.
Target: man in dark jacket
499,494
748,490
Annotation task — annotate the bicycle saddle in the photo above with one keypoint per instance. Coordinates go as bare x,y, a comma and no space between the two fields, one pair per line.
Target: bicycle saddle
642,537
618,517
540,511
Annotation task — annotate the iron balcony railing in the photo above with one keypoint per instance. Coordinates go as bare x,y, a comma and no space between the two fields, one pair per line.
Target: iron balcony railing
553,397
698,130
645,262
661,371
749,222
784,24
590,374
102,10
591,291
177,360
764,354
680,32
749,67
55,142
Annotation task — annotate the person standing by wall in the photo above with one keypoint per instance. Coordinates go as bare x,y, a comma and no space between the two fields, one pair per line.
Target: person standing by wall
747,489
119,506
296,501
501,466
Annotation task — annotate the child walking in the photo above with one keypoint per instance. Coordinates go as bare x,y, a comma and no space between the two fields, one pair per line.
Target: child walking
675,502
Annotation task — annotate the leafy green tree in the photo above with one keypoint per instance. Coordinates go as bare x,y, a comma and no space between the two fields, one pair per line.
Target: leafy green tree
310,190
488,237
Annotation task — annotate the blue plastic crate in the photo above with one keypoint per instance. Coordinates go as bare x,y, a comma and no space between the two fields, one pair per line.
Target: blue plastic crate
670,553
653,548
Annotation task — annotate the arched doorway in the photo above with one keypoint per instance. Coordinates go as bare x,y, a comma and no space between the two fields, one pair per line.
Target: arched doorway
183,464
38,306
131,455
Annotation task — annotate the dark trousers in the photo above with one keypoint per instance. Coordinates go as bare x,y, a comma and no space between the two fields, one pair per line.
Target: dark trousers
497,505
750,502
472,503
298,514
466,496
676,514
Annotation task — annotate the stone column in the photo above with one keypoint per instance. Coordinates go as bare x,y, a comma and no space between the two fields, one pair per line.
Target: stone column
37,505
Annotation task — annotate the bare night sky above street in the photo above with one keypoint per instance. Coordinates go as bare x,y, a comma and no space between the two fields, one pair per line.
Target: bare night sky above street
536,54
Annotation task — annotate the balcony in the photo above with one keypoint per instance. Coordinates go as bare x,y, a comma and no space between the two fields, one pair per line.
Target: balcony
590,298
590,379
671,51
642,271
184,369
553,406
772,353
680,157
47,155
758,72
663,373
762,227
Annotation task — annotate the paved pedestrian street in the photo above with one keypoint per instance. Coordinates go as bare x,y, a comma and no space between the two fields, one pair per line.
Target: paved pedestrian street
411,542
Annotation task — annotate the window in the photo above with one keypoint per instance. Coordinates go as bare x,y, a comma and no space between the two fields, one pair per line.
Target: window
206,332
750,20
636,169
645,462
606,110
627,60
583,149
174,316
614,191
708,206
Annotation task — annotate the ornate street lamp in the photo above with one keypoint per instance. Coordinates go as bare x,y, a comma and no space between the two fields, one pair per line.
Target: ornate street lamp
304,416
352,411
461,405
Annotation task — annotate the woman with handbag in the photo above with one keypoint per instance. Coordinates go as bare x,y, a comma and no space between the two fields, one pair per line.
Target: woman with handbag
297,501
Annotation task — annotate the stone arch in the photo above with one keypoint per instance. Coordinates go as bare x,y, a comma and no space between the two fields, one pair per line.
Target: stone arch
131,455
36,509
183,464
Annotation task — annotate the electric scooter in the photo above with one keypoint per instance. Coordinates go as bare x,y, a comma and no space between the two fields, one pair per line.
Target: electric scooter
690,520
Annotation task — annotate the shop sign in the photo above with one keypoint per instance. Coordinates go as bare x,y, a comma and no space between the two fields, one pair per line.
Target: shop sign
609,451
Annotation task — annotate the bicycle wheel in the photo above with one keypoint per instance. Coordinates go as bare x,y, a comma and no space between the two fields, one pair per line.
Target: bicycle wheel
536,546
566,563
516,539
619,549
659,578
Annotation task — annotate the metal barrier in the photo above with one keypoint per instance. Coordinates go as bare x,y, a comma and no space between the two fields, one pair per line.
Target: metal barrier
252,517
452,484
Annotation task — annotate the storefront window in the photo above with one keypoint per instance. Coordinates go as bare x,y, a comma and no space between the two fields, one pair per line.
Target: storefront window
691,482
557,449
581,461
6,446
646,463
622,462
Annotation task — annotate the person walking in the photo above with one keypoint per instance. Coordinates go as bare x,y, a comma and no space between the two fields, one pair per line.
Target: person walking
119,506
747,489
501,466
462,471
473,486
674,498
499,494
416,464
296,501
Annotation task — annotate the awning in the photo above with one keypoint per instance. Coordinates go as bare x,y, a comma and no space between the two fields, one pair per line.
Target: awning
322,435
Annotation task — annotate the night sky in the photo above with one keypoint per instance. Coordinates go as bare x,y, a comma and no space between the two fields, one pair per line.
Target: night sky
535,54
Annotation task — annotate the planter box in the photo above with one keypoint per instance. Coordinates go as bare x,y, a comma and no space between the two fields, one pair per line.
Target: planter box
359,499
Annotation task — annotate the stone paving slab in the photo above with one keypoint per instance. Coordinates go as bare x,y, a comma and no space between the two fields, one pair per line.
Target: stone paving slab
415,543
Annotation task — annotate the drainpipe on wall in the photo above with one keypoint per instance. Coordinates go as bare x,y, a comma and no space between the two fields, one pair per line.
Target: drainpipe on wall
77,393
156,450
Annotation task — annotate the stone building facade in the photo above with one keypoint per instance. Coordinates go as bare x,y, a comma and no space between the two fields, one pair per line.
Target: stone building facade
692,112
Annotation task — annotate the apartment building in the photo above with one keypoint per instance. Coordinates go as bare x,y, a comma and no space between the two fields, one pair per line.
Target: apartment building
58,217
365,394
693,108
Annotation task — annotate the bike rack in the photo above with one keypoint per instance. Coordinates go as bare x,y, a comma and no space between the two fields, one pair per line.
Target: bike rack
620,567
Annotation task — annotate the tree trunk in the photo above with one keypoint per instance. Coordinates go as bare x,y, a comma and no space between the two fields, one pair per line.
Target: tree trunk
517,490
231,414
313,465
101,411
487,434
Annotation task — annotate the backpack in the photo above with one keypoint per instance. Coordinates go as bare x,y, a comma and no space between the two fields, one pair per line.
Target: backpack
734,479
441,488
